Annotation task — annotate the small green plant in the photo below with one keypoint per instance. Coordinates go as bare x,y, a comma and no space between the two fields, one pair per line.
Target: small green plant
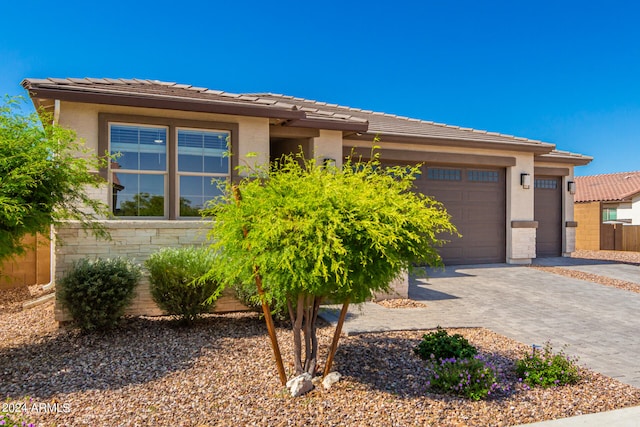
97,292
178,282
473,377
441,345
247,294
547,369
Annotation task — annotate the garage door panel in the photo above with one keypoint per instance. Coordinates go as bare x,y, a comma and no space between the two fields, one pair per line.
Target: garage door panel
483,252
453,196
451,251
548,213
484,196
480,236
477,204
480,214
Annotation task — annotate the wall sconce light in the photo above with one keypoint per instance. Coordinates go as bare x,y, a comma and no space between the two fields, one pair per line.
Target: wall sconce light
525,180
571,187
329,163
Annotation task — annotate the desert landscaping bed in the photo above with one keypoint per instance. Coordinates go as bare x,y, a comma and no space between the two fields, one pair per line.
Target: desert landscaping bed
221,372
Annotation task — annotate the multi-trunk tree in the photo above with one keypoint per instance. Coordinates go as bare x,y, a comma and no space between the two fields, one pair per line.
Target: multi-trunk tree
313,233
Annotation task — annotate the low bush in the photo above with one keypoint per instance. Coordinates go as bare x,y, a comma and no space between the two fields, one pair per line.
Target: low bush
441,345
97,292
472,377
178,282
546,369
248,295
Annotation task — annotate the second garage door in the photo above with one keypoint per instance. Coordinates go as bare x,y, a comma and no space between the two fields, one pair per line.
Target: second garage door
475,199
548,213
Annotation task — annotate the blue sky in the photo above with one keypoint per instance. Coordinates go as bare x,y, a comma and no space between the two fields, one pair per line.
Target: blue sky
565,72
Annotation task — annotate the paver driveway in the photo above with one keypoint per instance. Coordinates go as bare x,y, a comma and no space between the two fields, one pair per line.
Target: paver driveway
600,324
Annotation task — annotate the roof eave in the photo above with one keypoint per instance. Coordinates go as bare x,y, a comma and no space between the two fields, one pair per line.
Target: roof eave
162,102
537,148
328,124
576,160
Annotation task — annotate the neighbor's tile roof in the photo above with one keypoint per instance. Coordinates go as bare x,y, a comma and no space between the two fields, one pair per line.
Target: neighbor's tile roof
275,105
607,187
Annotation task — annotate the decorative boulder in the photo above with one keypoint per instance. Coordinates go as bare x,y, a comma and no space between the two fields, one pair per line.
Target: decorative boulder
331,379
300,385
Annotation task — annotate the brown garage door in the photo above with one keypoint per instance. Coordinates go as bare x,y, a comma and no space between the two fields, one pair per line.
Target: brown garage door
548,213
475,198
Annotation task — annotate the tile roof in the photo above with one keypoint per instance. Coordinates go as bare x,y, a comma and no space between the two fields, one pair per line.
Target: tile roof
293,111
390,124
607,187
564,156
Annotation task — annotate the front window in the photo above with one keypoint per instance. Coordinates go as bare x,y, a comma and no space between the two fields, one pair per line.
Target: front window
166,171
139,171
202,164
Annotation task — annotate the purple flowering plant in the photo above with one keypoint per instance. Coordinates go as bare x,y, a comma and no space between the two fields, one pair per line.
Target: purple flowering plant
14,414
474,378
543,367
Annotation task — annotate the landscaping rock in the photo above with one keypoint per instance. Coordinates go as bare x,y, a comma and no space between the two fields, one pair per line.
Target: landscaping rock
300,385
331,379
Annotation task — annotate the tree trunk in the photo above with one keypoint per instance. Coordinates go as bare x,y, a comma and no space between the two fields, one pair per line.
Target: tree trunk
307,333
304,317
296,322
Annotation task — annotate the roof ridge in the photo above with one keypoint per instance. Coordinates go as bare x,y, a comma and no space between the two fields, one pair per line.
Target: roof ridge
395,116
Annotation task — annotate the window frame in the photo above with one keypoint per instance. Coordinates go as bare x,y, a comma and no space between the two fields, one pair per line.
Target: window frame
179,174
172,196
164,173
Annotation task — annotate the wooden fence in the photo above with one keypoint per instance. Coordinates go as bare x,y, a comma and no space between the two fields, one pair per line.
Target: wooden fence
34,267
631,238
620,237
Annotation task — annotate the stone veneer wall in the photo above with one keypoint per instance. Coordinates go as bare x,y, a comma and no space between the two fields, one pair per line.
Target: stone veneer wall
570,237
524,244
135,240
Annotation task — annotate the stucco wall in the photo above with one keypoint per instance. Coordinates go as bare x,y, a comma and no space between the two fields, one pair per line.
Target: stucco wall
625,211
521,242
328,146
635,216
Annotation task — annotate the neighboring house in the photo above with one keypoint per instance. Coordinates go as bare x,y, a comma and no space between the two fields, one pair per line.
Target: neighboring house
507,195
605,199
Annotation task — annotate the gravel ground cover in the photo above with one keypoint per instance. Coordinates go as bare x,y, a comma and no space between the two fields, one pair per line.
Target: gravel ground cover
221,373
618,256
400,303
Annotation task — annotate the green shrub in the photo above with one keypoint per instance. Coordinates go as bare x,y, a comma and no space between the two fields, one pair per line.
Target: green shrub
547,369
440,345
248,295
178,284
97,292
472,378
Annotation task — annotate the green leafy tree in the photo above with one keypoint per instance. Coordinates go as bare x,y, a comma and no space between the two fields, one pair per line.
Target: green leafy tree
44,172
318,233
